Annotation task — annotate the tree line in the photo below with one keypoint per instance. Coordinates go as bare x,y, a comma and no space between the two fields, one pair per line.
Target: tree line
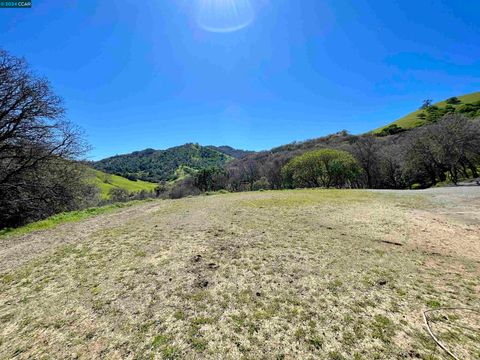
446,150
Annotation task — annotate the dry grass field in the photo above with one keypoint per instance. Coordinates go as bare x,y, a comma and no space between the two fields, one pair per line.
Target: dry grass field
302,274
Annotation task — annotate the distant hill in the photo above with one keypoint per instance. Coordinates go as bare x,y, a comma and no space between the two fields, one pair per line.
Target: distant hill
228,150
468,104
105,182
178,162
165,165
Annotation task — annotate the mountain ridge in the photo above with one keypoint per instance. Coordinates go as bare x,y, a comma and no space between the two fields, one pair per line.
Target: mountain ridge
169,164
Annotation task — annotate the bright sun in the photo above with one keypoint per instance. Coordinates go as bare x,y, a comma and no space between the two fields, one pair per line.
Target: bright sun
224,15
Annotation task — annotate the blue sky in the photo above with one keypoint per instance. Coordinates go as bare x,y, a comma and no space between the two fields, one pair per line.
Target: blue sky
138,74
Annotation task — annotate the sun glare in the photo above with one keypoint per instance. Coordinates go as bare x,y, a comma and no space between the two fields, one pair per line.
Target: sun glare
224,15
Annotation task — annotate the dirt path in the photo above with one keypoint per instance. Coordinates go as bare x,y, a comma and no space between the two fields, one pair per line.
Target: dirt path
16,250
462,202
450,224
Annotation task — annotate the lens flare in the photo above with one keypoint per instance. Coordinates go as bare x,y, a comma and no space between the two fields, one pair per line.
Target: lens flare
224,15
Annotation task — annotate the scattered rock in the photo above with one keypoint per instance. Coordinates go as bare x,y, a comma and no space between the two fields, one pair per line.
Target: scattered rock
382,282
197,258
213,266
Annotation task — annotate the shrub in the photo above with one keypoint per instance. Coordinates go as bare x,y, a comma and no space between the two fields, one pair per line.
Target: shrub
453,101
261,184
321,168
391,130
118,195
183,188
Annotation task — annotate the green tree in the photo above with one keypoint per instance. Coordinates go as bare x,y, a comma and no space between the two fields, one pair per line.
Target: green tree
321,168
210,179
454,100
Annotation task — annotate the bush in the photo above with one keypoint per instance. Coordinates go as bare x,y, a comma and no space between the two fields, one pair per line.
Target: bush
118,195
183,188
417,186
470,110
261,184
453,101
321,168
391,130
143,195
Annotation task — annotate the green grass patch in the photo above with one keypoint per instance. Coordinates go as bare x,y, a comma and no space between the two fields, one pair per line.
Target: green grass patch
433,304
159,340
383,328
299,197
106,182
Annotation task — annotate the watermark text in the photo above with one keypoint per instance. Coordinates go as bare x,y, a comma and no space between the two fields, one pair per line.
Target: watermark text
15,4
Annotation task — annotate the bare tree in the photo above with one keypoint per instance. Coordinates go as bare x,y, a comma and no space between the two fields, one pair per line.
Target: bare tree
449,146
426,104
366,151
32,127
33,135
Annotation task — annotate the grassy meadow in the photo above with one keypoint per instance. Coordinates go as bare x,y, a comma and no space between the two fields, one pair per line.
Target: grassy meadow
105,182
298,274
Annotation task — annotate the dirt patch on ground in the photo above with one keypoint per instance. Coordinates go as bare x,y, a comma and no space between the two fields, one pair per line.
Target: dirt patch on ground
445,234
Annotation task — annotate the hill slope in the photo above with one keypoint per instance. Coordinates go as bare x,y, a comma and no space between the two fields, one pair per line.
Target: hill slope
413,120
106,182
163,165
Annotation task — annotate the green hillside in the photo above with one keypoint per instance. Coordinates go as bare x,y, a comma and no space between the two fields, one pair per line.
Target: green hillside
108,181
413,120
163,165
